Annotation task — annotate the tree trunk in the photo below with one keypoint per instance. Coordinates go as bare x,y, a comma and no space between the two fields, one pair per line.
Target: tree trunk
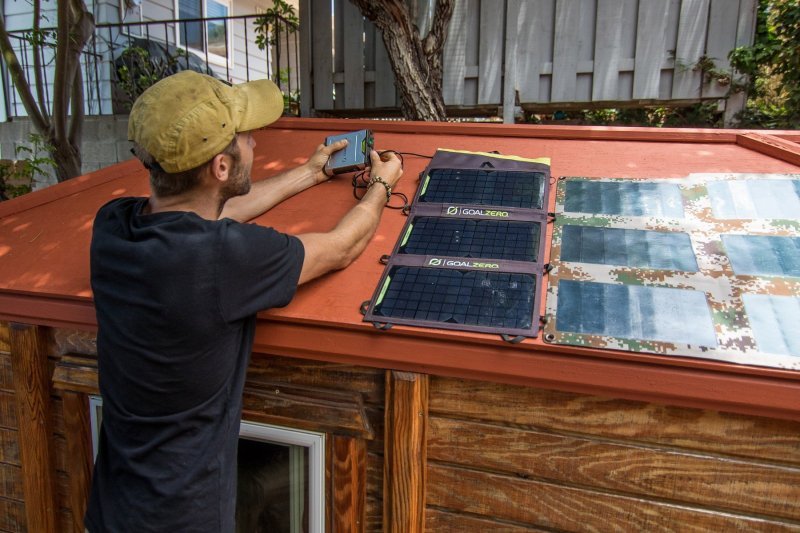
63,129
67,158
417,63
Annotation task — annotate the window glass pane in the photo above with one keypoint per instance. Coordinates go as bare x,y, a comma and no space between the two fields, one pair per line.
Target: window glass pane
217,44
272,491
191,33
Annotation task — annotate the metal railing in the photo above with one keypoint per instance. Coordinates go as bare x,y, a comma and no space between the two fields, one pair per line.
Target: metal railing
162,48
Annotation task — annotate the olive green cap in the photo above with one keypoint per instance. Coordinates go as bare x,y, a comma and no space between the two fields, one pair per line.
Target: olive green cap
186,119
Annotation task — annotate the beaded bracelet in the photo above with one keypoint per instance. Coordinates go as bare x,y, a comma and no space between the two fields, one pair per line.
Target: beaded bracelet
378,179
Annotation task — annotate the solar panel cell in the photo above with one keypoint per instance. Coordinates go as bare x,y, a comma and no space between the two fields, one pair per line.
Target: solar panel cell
485,187
486,239
473,298
626,198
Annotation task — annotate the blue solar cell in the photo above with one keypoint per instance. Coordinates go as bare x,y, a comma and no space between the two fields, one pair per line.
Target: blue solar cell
635,312
755,199
761,255
484,187
774,321
628,198
628,247
458,237
476,298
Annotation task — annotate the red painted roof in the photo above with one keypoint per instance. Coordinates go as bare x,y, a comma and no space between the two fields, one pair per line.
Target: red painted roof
44,267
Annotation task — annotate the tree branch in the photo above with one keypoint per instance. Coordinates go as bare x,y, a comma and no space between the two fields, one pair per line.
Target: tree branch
20,82
76,124
75,27
38,71
62,82
434,41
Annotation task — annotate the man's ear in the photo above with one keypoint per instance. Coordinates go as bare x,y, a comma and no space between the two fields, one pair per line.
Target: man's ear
221,167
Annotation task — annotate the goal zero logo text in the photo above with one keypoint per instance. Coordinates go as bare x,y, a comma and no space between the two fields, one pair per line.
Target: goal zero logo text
494,213
435,261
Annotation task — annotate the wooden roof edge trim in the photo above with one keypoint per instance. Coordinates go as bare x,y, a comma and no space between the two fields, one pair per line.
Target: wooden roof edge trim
771,145
761,395
492,342
43,310
598,133
66,188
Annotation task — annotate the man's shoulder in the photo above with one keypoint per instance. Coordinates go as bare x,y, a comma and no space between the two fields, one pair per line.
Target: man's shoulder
118,205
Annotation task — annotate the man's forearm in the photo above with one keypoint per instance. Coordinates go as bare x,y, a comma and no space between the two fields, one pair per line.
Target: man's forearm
338,248
267,193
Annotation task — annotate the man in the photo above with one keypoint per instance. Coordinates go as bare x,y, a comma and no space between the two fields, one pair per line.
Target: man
177,281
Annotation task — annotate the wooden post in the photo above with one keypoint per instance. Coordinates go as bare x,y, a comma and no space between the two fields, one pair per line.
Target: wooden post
32,390
347,469
78,433
404,463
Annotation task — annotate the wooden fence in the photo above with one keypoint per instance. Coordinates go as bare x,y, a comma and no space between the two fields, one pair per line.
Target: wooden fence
537,54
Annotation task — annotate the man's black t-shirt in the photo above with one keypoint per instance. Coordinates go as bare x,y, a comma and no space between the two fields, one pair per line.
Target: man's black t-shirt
176,297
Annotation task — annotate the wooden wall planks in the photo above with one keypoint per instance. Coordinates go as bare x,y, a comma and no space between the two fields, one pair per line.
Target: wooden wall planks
558,460
544,504
500,457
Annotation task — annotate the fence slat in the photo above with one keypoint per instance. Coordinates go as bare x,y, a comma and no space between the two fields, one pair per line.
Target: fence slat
455,66
306,30
687,80
535,47
510,59
353,28
608,50
491,51
720,41
565,50
650,43
323,57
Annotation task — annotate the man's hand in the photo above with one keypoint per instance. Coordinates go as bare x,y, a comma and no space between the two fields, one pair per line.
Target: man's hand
387,166
317,161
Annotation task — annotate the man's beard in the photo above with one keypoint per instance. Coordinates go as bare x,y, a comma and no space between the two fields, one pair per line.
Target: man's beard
238,184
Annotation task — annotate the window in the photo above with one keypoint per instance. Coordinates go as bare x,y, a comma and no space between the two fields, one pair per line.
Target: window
281,480
281,477
210,37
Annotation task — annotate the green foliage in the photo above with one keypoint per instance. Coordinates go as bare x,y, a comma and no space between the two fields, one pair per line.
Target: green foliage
17,177
139,71
772,67
700,115
280,17
291,99
266,24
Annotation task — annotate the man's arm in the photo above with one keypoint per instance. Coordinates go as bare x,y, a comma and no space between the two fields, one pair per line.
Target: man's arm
267,193
339,247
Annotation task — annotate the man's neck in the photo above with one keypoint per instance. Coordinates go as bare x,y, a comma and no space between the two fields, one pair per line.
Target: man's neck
203,205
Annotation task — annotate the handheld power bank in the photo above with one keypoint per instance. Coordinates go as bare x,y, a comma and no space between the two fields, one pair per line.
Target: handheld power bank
354,156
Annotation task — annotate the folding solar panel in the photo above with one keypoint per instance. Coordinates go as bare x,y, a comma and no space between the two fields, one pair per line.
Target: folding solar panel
705,266
470,255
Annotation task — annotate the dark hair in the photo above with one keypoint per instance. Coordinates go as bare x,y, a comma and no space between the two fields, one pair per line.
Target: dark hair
165,184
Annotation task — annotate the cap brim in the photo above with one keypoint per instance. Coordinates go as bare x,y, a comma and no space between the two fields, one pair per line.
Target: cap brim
260,102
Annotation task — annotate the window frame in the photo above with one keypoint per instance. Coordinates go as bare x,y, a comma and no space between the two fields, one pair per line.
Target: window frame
210,57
